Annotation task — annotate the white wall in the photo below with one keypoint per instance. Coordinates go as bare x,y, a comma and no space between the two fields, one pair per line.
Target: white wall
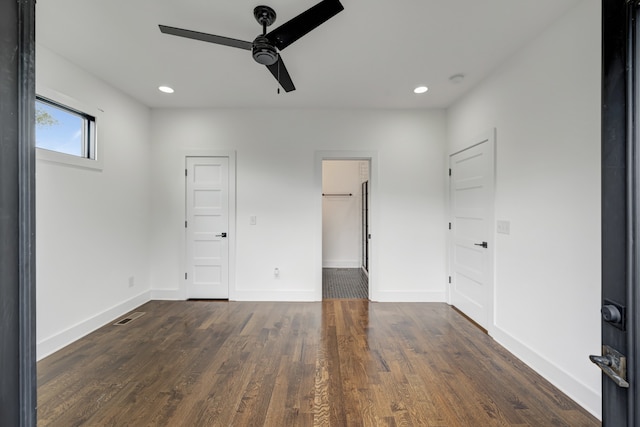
545,104
278,181
92,233
341,215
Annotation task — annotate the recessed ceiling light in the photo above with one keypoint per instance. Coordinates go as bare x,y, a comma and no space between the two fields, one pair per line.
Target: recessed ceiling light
165,89
420,89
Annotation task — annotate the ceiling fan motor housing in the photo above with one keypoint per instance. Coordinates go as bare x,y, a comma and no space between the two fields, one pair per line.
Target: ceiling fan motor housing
264,52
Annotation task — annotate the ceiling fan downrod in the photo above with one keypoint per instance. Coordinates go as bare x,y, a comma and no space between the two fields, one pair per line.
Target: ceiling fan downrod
265,17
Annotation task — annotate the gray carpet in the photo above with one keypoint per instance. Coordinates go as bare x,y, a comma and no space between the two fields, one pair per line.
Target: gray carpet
344,283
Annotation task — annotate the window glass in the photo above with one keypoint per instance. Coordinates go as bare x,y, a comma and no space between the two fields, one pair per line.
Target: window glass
61,129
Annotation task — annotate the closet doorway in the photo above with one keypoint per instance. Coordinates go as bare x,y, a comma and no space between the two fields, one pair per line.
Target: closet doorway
345,229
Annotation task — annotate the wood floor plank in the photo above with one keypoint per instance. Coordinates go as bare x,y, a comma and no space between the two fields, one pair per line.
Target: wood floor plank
321,405
336,363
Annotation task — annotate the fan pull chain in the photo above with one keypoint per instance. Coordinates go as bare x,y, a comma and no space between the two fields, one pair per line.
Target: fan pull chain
278,74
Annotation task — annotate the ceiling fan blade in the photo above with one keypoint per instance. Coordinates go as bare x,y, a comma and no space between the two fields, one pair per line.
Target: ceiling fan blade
195,35
281,74
297,27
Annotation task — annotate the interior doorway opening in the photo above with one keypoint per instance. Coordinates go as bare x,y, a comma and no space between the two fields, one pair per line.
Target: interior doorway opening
345,229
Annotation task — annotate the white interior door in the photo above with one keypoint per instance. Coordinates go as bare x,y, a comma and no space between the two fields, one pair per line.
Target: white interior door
207,227
471,198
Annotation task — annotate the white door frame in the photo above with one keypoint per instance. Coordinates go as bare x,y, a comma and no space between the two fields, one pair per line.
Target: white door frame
232,216
372,157
488,137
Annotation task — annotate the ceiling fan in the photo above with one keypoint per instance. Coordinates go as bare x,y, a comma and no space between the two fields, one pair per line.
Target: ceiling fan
266,47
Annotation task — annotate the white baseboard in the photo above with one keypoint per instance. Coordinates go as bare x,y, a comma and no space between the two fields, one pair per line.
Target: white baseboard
589,399
276,295
338,263
54,343
168,294
242,295
408,296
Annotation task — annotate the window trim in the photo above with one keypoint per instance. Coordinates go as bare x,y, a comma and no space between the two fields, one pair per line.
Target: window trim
72,105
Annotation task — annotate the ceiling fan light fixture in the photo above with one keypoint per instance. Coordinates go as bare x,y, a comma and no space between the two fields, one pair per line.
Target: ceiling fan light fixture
420,89
264,52
165,89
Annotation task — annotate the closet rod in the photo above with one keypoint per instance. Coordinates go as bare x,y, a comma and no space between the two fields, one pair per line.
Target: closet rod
340,194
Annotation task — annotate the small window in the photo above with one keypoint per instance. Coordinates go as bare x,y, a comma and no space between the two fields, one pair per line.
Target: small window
65,130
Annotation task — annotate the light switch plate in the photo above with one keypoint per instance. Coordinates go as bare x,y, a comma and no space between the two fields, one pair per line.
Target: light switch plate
503,227
253,220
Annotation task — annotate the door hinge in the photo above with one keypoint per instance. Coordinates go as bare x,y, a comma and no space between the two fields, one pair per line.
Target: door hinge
185,224
185,173
449,226
449,279
449,171
185,276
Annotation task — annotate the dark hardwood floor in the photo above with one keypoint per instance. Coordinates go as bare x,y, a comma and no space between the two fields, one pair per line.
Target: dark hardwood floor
335,363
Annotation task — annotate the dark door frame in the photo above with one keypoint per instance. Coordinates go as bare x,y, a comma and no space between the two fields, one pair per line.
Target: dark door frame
365,226
17,214
620,207
621,203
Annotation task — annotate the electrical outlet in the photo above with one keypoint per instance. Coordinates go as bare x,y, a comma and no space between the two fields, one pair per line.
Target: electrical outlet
276,272
253,220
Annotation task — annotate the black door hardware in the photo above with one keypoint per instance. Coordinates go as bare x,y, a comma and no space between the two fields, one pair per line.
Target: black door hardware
483,244
613,364
614,314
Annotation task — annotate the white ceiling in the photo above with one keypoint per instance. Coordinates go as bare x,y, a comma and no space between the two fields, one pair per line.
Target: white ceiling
371,55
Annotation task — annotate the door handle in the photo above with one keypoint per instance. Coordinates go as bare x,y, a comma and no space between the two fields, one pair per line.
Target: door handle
221,235
483,244
613,364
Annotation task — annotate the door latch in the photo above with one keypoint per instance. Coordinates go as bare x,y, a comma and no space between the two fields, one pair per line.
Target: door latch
221,235
613,364
483,244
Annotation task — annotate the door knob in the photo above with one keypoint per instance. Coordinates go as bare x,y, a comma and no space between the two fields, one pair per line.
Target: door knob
483,244
221,235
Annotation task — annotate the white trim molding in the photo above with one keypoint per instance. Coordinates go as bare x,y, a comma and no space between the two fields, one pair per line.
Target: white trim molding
372,157
408,296
586,397
181,159
275,295
54,343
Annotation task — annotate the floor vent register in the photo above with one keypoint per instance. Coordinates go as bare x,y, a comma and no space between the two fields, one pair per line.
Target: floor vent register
130,317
